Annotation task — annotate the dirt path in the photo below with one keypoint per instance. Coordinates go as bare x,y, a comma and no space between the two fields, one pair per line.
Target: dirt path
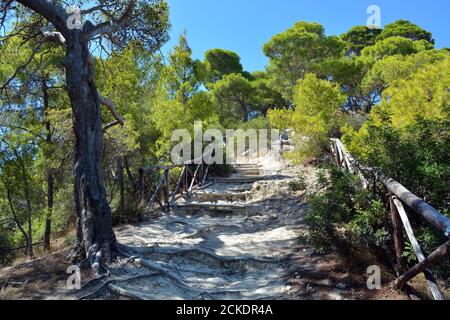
235,239
219,244
238,238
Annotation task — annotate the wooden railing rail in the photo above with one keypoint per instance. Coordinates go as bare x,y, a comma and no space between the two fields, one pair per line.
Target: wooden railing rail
398,197
167,189
7,249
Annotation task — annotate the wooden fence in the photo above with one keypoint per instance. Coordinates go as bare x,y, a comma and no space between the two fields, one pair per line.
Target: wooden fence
9,250
169,188
400,200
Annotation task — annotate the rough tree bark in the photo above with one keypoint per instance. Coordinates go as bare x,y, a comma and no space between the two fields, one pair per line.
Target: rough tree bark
121,182
130,175
95,237
26,192
48,217
50,177
96,241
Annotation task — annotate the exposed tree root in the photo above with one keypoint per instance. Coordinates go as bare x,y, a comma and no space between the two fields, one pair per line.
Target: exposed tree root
126,293
165,272
184,224
178,281
109,281
221,259
98,256
207,231
93,280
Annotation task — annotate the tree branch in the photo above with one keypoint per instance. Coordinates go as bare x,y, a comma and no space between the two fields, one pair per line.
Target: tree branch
112,108
50,10
109,27
21,67
53,35
11,127
13,212
93,9
110,125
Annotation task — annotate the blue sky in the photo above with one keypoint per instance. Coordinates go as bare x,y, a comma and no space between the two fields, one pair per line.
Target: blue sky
245,25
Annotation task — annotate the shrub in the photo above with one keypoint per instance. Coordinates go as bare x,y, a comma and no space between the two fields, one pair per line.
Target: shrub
299,184
344,206
317,113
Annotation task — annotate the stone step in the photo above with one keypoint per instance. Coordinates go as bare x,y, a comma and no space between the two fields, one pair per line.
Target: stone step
249,172
217,196
239,180
206,207
246,165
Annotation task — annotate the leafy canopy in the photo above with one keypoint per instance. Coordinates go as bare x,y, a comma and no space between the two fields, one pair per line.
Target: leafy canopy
317,114
296,51
406,29
358,38
220,62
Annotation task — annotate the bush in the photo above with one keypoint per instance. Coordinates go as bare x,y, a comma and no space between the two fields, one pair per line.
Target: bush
280,118
343,213
298,184
408,138
5,243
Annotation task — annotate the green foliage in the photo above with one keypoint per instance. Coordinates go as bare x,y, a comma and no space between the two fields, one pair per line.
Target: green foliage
317,113
387,90
233,96
394,45
369,225
178,101
358,38
280,118
220,62
255,123
299,184
408,135
349,73
265,97
179,76
64,214
221,170
406,29
397,67
343,214
296,51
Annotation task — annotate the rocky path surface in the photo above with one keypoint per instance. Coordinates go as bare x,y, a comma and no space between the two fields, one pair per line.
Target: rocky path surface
223,242
235,238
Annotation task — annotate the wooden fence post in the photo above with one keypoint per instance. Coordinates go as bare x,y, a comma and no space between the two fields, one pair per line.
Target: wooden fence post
399,195
186,178
141,185
397,233
436,257
432,284
166,190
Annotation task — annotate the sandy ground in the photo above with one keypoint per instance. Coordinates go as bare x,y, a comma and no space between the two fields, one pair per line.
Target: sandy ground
254,253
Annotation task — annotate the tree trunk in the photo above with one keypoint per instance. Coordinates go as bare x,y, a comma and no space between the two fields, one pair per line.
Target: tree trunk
130,175
50,178
95,237
26,191
121,182
14,216
48,217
